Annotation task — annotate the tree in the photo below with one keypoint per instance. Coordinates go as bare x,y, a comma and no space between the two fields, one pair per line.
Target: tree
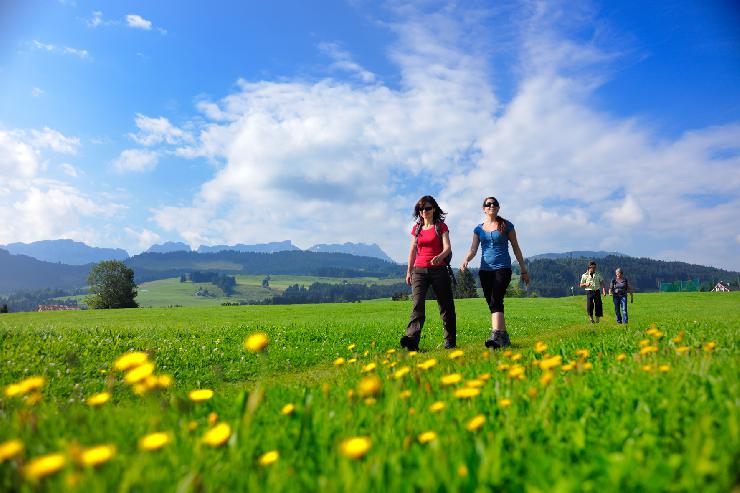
111,286
465,285
4,308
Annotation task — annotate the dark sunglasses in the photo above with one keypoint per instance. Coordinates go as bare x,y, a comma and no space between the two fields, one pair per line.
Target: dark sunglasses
490,204
427,208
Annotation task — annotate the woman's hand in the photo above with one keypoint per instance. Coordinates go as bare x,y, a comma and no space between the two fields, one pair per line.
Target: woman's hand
408,278
464,265
435,260
525,278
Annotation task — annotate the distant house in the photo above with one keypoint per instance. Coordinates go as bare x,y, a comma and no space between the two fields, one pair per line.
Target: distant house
721,288
55,308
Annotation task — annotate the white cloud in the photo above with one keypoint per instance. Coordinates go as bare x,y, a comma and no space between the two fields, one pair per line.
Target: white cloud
64,50
18,159
138,22
156,130
37,92
69,170
136,160
54,140
144,238
96,19
327,161
343,61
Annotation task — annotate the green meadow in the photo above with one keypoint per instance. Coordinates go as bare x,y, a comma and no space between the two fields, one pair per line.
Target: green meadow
652,406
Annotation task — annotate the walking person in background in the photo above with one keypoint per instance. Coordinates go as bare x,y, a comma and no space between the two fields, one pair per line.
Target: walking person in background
493,235
428,262
593,283
619,288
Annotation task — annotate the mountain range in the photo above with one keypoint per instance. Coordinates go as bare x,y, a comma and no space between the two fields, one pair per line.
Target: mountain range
68,252
590,254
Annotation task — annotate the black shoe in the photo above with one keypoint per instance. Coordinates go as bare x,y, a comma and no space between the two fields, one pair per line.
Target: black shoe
410,343
499,339
449,345
593,321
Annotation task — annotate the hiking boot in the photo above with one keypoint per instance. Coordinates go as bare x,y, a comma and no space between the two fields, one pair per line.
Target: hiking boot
410,343
450,345
499,339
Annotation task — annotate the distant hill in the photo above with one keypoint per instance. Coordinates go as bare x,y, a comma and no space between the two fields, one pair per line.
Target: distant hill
169,246
24,273
360,249
577,254
65,251
271,247
556,277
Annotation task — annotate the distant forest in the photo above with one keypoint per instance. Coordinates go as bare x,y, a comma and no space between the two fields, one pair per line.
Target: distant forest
553,278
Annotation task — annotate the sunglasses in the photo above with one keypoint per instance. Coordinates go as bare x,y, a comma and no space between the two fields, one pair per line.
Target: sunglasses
490,204
427,208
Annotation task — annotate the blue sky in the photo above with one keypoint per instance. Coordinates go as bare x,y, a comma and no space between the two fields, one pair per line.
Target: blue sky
598,125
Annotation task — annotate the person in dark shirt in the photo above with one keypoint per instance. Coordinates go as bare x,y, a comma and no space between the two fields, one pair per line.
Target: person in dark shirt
619,288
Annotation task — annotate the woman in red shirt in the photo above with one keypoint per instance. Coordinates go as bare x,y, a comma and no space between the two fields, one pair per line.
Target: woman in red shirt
429,257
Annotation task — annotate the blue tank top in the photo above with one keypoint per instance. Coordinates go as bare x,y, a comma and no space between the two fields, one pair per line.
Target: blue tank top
494,248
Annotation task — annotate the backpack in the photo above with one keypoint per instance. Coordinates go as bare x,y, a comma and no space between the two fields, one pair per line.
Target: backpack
446,260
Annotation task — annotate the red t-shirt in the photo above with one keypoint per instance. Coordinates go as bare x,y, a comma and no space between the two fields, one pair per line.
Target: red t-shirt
428,245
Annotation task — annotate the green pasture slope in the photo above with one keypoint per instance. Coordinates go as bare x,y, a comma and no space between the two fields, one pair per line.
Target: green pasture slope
662,421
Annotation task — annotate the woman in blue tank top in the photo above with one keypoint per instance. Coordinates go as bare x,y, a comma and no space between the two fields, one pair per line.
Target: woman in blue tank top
493,236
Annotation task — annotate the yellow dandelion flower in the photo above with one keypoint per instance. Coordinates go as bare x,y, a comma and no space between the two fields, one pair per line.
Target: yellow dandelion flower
679,338
369,401
475,423
516,371
682,349
351,360
32,383
456,354
351,347
550,363
369,386
154,441
486,354
34,399
532,392
10,449
540,347
385,361
192,425
339,361
508,353
516,357
401,372
462,471
404,394
474,383
287,409
368,367
94,456
583,353
151,382
139,373
390,351
98,399
269,458
644,342
536,363
13,390
648,349
467,393
588,365
140,389
621,357
412,411
664,368
256,342
485,377
218,435
355,447
437,407
411,354
200,395
504,403
451,379
546,378
130,360
350,394
502,367
367,351
164,381
44,466
657,334
568,366
393,364
647,368
708,347
212,418
427,436
427,364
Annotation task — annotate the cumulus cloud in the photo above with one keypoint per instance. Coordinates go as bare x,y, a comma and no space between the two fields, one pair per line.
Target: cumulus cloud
343,61
136,160
156,130
138,22
328,160
63,50
143,238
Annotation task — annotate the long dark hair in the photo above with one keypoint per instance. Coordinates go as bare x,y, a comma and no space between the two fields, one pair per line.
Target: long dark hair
502,221
439,214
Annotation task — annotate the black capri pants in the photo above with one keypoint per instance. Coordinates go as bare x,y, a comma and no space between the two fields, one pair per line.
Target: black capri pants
494,284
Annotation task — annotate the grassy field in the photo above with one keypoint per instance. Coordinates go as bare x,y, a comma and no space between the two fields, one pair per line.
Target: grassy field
171,292
601,408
